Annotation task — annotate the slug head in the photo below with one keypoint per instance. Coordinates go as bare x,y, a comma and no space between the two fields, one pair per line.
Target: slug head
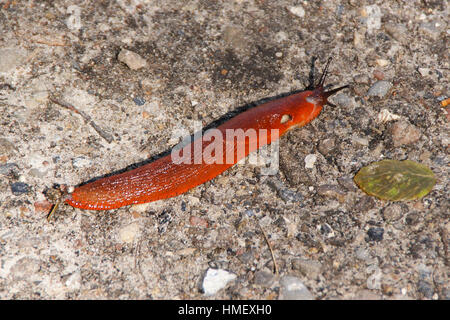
319,96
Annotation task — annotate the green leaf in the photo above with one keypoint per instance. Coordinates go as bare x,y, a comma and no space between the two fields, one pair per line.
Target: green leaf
396,180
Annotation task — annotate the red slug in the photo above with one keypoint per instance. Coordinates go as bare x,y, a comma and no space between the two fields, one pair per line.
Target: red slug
165,178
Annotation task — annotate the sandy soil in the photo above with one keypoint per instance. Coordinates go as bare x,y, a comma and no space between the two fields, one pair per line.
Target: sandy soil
199,61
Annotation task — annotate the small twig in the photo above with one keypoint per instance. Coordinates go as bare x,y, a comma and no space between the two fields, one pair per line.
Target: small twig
50,215
444,236
137,263
275,266
86,118
49,42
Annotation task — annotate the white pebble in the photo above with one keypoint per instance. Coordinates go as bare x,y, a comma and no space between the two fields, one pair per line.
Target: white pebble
361,141
216,279
128,233
141,208
424,72
73,22
373,17
131,59
298,11
81,162
293,289
382,62
379,88
73,282
310,160
385,116
281,36
374,281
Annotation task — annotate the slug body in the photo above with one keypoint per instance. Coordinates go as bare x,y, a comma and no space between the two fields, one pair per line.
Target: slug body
165,178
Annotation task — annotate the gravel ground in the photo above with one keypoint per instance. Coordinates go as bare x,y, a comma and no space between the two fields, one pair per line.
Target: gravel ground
144,70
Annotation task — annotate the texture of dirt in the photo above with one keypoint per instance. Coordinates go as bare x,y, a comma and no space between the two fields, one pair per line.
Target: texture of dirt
205,59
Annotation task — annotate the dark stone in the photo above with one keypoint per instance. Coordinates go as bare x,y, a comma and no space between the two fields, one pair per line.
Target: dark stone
19,188
375,234
139,101
425,288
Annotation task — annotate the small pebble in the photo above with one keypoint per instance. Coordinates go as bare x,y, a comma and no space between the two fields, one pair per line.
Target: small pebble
186,251
290,195
283,192
8,168
246,257
264,278
387,289
131,59
364,204
81,162
372,16
385,116
379,88
375,234
392,212
397,31
42,206
18,188
382,62
249,212
412,219
145,115
293,289
425,273
331,191
73,282
326,146
425,288
347,182
342,99
361,141
73,22
216,279
198,222
310,160
326,230
37,173
379,75
281,36
374,281
363,254
128,233
402,132
358,39
308,268
424,72
425,283
298,11
141,208
139,101
7,148
432,29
